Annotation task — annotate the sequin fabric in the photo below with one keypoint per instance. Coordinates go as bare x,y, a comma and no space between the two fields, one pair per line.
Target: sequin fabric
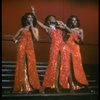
25,48
77,59
57,45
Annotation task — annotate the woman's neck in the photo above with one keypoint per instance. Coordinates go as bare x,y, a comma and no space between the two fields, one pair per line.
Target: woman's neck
27,27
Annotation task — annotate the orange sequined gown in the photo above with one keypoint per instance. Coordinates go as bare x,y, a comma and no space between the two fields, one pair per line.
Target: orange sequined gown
57,45
79,73
26,75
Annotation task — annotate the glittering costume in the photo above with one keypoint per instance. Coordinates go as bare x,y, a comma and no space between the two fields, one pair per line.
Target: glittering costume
78,70
57,45
26,76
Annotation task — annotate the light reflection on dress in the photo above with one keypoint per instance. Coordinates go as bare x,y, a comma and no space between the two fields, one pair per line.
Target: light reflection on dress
78,71
26,76
57,45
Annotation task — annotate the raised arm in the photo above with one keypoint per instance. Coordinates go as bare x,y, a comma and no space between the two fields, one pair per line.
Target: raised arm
43,26
40,23
64,26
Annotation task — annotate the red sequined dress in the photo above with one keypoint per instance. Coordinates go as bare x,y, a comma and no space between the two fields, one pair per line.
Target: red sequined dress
26,76
79,73
57,45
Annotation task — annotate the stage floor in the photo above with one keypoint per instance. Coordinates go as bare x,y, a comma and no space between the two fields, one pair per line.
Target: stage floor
89,93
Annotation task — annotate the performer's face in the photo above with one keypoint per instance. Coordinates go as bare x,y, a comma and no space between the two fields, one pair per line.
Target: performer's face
30,18
52,19
74,21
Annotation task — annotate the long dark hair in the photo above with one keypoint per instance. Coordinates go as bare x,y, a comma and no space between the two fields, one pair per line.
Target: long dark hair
24,21
47,20
70,24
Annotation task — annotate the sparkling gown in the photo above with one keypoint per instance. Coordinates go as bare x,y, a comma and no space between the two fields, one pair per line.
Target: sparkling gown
26,76
57,45
78,71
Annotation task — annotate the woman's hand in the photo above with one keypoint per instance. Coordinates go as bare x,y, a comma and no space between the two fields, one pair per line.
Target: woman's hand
15,40
61,24
33,10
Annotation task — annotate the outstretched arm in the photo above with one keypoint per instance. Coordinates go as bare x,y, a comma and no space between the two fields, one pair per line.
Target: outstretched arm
64,26
43,26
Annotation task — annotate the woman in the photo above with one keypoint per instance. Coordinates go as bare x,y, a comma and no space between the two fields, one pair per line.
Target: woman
55,75
77,77
26,76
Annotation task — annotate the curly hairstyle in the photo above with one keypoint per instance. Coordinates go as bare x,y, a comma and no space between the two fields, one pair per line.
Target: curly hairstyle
70,24
24,21
47,19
